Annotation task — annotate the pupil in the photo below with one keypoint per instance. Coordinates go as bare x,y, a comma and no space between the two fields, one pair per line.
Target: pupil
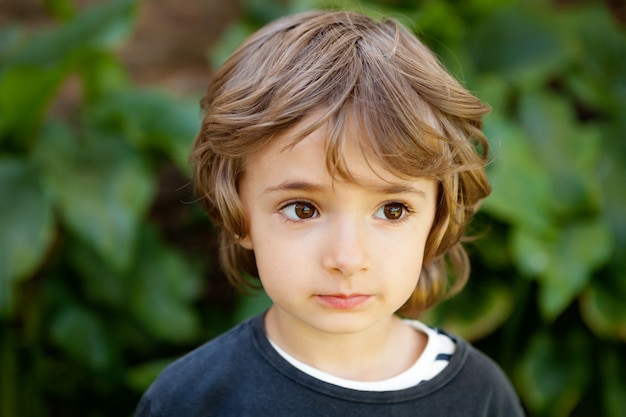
393,211
303,211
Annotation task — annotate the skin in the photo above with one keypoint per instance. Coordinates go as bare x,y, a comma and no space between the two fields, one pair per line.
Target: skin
337,258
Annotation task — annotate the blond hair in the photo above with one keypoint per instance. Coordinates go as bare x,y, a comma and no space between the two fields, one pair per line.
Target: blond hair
416,121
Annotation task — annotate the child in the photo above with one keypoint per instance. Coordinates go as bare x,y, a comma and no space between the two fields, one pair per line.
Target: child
341,163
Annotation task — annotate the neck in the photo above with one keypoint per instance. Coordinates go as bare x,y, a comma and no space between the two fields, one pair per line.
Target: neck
381,351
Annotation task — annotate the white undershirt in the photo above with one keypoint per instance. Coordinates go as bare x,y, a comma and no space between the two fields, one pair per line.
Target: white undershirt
434,358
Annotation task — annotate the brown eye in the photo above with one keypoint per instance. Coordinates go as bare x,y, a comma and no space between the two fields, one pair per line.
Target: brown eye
303,211
392,211
299,211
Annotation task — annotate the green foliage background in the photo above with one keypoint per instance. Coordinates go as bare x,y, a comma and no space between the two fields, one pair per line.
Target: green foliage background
95,298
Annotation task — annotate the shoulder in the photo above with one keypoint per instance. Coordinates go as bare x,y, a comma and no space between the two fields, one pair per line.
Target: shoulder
480,366
215,364
216,354
481,381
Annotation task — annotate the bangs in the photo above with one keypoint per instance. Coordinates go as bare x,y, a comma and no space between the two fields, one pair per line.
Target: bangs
396,132
366,86
384,143
408,148
351,74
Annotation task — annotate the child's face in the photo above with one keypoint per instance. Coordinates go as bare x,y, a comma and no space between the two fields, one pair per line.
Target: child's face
334,256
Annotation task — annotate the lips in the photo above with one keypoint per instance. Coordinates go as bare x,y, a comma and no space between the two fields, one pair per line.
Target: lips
343,302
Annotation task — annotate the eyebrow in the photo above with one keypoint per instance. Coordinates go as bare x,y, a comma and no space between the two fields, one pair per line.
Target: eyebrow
381,189
294,186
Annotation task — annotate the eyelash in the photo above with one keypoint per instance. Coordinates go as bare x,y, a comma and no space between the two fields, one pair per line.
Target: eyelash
406,211
288,204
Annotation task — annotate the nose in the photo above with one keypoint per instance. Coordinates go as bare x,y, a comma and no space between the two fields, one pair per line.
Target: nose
346,248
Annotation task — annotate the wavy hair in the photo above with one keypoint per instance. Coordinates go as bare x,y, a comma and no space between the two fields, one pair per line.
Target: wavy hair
416,121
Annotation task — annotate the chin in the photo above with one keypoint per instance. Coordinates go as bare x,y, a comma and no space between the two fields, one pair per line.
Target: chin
343,323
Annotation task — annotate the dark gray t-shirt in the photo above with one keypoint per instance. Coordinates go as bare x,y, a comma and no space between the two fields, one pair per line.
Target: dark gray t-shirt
241,374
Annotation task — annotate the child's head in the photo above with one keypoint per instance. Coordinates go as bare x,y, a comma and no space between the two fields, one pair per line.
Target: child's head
337,70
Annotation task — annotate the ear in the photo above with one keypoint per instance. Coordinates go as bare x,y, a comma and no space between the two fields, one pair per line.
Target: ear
246,242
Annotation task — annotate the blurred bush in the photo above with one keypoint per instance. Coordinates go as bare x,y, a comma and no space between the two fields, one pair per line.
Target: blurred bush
89,287
95,300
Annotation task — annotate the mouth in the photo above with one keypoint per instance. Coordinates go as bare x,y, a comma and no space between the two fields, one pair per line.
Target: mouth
343,301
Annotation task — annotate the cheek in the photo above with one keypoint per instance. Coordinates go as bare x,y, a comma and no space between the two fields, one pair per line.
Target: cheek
277,259
406,255
281,276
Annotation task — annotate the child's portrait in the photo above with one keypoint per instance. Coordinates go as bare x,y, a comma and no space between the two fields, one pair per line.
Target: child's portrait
312,208
341,163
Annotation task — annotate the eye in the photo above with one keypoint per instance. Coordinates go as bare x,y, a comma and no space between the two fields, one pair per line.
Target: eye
299,210
392,211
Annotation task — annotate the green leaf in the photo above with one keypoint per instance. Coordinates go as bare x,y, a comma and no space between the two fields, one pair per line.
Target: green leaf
140,377
153,121
518,44
553,373
10,36
24,95
531,251
486,7
492,245
102,188
551,124
98,26
493,91
603,308
429,19
581,249
162,290
614,382
100,283
27,225
471,319
62,9
613,172
568,149
600,79
563,262
82,335
521,186
101,74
